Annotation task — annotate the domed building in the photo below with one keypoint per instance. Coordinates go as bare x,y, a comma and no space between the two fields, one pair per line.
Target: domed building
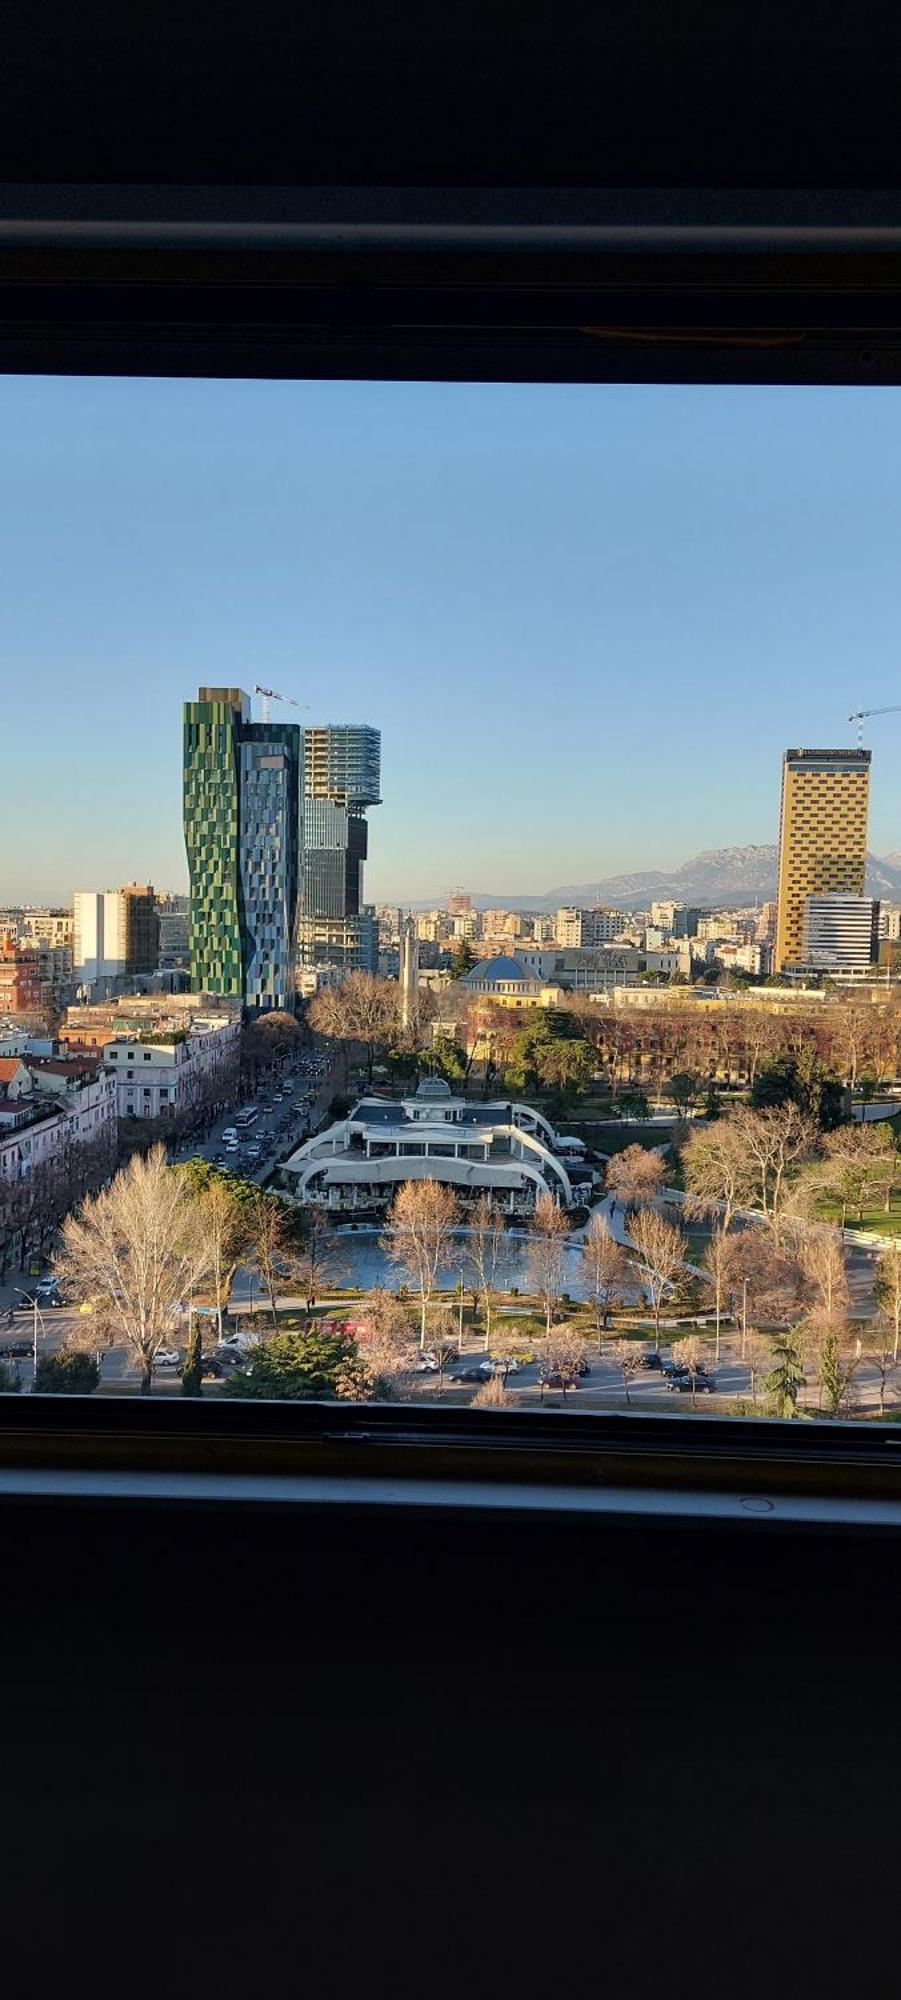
508,983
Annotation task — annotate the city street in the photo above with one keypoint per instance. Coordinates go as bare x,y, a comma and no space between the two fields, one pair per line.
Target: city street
289,1107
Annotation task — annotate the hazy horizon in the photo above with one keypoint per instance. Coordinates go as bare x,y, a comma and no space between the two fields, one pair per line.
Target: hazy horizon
588,620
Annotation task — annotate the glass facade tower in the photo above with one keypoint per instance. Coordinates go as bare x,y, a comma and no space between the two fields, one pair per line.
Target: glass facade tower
241,822
342,773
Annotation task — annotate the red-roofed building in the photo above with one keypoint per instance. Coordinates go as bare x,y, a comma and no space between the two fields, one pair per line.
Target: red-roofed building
15,1081
21,985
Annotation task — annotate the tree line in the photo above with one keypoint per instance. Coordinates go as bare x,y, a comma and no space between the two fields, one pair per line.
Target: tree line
688,1050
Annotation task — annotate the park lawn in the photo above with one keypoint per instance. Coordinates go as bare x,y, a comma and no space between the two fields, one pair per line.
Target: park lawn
611,1136
874,1217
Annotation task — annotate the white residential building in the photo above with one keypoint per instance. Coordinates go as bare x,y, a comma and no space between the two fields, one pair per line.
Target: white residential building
99,950
50,927
840,933
162,1073
568,929
63,1102
577,929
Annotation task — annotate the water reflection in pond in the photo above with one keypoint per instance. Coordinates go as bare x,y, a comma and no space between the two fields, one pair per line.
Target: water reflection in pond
365,1263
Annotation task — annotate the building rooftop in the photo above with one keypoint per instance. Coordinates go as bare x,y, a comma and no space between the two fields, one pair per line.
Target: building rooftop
74,1065
496,969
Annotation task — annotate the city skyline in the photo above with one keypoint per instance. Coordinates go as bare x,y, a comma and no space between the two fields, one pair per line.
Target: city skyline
598,614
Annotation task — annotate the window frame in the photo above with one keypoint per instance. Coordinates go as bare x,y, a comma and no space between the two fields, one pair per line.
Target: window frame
575,285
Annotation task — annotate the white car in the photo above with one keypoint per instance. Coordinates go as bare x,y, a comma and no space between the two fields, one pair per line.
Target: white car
166,1357
491,1366
237,1343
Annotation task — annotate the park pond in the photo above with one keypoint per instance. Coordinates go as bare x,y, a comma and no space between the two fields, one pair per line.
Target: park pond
364,1262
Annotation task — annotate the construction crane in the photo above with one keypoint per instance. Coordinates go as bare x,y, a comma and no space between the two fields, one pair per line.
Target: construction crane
270,695
860,715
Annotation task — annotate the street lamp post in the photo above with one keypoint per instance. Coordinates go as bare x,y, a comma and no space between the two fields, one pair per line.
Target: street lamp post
37,1316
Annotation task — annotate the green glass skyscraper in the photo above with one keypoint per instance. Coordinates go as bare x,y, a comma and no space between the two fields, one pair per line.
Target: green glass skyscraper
242,784
212,825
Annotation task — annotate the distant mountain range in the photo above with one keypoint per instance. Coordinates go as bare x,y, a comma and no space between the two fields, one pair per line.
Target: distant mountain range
718,875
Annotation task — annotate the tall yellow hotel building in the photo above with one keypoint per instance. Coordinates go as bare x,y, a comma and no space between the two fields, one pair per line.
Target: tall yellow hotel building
822,837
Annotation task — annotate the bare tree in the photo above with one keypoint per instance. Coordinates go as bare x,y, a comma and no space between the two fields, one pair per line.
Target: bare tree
228,1233
492,1395
626,1356
417,1236
487,1255
777,1141
136,1250
563,1351
546,1254
605,1264
442,1341
888,1291
689,1353
386,1342
635,1175
320,1256
758,1355
718,1262
273,1241
661,1253
822,1262
761,1038
876,1336
719,1176
362,1009
760,1278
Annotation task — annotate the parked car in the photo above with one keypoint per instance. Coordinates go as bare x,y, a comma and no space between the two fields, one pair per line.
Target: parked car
237,1343
652,1360
682,1385
469,1375
46,1291
672,1369
493,1366
15,1350
167,1357
555,1378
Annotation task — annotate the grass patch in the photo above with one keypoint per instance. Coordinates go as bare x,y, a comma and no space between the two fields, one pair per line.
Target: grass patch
874,1218
608,1136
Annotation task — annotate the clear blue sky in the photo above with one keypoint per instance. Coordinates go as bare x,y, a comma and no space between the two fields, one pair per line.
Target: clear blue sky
587,620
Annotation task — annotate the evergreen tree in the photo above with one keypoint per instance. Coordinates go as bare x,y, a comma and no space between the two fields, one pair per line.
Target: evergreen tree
786,1377
71,1372
463,959
192,1370
297,1367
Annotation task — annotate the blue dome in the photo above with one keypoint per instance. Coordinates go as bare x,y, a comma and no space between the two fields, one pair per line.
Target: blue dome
495,969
